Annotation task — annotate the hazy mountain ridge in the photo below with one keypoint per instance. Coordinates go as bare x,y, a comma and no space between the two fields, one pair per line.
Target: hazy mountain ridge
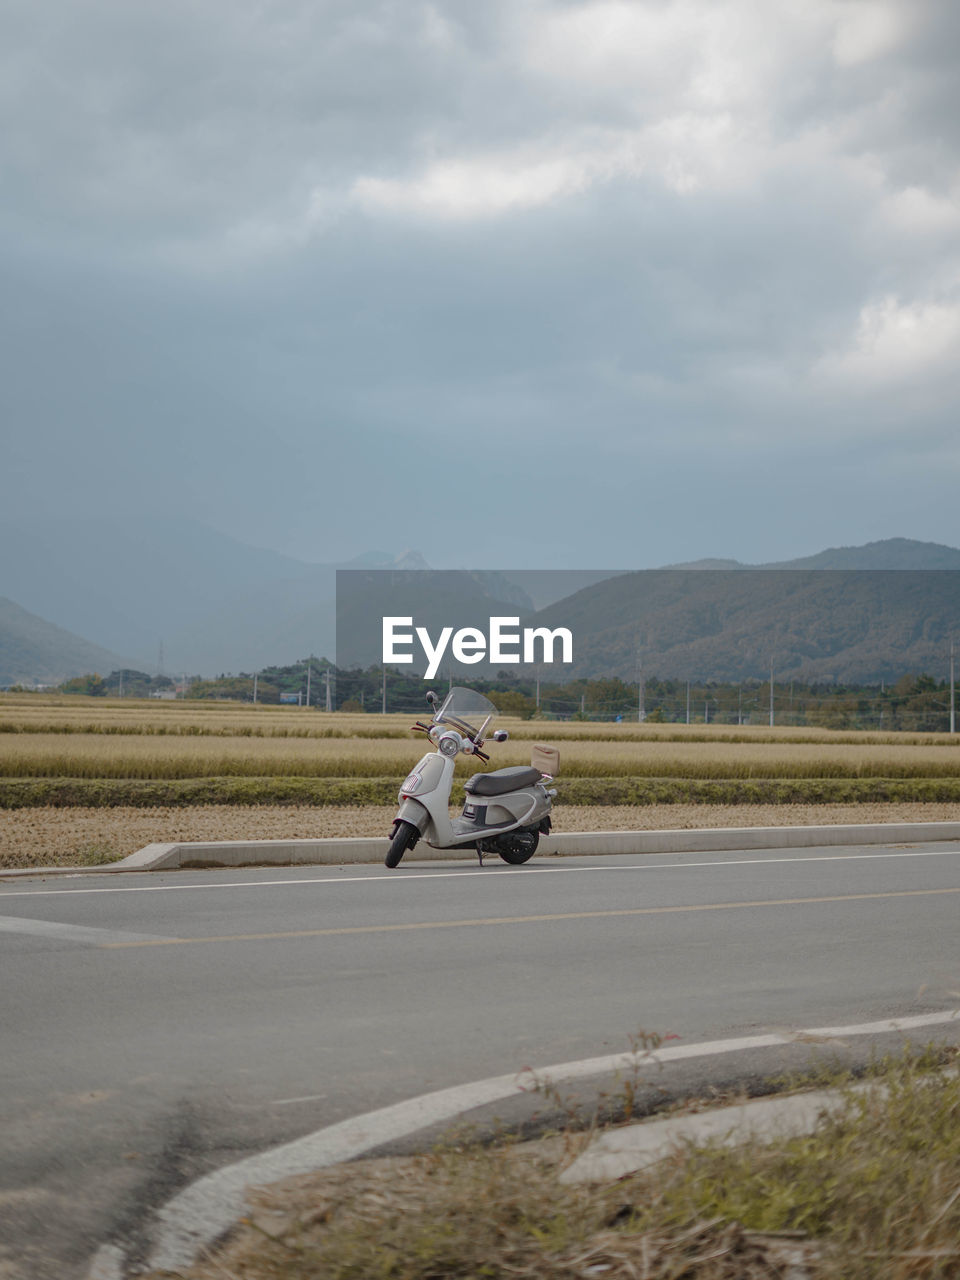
33,650
852,625
213,603
888,553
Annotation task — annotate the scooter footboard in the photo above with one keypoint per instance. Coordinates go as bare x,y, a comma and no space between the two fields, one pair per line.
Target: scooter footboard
413,811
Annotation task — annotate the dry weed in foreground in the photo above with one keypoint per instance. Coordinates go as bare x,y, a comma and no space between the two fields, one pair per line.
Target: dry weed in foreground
873,1194
54,837
469,1215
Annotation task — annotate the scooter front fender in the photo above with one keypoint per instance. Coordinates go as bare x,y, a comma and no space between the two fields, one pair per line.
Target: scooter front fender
413,811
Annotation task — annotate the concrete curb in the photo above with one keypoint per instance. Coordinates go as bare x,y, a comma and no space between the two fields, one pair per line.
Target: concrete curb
334,851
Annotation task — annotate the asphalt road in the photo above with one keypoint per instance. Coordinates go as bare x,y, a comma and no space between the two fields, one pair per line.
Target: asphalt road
153,1028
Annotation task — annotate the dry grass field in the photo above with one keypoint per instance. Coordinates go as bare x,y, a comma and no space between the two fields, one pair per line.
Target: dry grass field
98,755
55,739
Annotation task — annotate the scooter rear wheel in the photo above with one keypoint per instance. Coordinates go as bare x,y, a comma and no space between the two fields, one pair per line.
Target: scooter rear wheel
405,835
519,846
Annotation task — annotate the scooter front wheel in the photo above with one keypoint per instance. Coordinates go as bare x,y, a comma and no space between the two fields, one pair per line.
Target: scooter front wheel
405,836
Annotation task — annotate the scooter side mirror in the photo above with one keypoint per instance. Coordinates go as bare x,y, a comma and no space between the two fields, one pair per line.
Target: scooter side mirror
432,698
500,735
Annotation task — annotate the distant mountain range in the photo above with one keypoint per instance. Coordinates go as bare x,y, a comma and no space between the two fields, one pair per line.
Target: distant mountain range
180,595
216,605
849,614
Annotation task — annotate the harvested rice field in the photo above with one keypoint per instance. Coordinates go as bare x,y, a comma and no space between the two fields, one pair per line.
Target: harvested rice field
68,837
96,755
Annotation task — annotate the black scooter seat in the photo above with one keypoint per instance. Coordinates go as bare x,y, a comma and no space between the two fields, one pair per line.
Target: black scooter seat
501,781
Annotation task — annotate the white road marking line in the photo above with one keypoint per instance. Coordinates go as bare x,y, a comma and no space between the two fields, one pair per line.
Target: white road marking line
205,1209
288,1102
72,932
408,876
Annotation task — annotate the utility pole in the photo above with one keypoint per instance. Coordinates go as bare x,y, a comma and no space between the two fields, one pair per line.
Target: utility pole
326,676
383,707
688,702
771,693
953,699
309,673
255,674
641,690
120,694
538,688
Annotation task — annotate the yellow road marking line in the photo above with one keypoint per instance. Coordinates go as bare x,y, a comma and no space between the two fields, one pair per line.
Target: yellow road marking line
534,919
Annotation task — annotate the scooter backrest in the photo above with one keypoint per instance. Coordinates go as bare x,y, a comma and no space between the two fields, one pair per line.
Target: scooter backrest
546,759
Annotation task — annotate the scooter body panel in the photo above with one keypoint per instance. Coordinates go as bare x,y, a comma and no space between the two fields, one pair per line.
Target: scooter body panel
520,808
432,771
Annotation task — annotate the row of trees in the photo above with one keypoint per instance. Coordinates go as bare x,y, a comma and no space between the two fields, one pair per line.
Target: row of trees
917,703
126,683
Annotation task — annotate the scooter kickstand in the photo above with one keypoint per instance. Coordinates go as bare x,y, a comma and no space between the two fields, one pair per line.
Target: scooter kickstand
480,854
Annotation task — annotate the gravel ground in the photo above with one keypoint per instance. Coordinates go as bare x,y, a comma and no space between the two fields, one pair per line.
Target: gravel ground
81,837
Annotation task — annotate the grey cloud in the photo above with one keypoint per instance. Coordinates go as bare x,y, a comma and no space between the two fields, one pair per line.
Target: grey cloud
202,312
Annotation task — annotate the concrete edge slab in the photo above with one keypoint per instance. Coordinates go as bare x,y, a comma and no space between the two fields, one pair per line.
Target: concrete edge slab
635,1147
339,851
631,1148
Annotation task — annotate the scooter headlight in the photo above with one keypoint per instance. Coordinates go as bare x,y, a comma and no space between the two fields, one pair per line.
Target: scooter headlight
449,743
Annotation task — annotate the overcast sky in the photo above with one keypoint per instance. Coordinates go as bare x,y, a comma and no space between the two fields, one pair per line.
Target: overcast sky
517,282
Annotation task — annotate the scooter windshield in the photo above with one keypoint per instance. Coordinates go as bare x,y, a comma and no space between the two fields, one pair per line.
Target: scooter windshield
467,711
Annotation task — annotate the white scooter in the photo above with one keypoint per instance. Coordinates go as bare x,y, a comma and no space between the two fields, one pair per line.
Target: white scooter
504,811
